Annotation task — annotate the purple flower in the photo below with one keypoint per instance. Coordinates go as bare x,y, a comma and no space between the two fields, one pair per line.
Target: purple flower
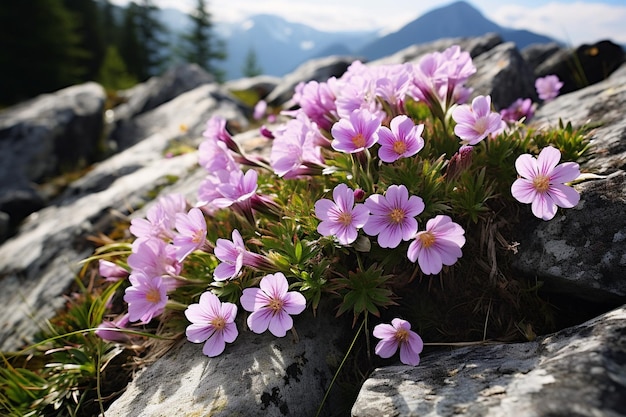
160,218
296,148
356,134
191,233
439,245
153,257
548,87
541,182
520,109
476,122
234,256
239,188
212,322
401,141
259,110
272,305
111,271
341,218
112,331
317,101
146,297
392,216
398,334
216,130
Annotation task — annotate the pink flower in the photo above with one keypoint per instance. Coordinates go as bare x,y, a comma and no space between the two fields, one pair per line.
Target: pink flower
475,122
401,141
356,134
153,257
520,109
239,188
341,218
212,322
542,182
111,271
548,87
272,305
439,245
259,110
392,216
191,233
146,297
160,218
398,334
234,256
112,331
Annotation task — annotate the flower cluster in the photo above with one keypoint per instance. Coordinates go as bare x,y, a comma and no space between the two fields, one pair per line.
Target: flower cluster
378,173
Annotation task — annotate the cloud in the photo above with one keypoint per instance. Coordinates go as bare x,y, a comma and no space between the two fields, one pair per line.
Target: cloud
574,23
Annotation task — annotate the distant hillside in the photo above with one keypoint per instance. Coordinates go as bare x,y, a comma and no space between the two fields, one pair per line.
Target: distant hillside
458,19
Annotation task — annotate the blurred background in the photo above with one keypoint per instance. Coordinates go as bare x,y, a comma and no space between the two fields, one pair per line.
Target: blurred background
50,44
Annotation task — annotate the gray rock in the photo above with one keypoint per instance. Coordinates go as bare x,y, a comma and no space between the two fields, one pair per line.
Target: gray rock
257,375
4,226
191,109
536,54
579,371
502,73
474,46
263,85
583,66
316,69
44,137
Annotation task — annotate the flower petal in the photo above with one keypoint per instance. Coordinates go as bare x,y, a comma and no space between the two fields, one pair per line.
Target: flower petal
215,345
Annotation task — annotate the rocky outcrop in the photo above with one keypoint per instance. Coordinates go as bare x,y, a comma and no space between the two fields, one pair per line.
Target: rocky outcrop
43,138
257,375
579,371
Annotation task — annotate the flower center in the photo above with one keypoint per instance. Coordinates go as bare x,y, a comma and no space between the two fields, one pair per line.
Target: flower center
427,239
358,140
218,322
541,183
197,237
396,215
345,219
276,305
481,125
153,296
402,336
399,147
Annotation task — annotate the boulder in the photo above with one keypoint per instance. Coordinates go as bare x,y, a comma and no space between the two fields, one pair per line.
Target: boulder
257,375
474,46
583,66
502,73
537,53
43,138
154,92
320,69
262,85
580,252
579,371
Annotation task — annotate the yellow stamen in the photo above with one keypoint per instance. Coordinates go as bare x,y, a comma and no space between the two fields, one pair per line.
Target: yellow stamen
153,296
541,183
345,219
198,237
276,305
402,336
359,140
396,215
218,322
427,239
399,147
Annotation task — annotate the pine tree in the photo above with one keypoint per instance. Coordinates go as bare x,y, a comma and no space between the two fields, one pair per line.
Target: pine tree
86,16
143,48
40,49
200,45
251,67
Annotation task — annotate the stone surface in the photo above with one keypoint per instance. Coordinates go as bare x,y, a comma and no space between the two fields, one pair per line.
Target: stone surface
579,371
317,69
262,85
583,66
44,137
257,375
502,73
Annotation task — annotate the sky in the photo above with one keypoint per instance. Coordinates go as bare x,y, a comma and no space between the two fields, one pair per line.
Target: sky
572,22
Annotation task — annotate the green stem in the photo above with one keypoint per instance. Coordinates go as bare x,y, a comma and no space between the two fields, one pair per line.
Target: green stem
319,410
